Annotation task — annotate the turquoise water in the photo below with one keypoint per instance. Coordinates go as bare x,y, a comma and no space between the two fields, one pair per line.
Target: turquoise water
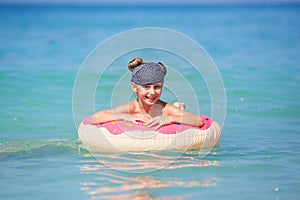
256,49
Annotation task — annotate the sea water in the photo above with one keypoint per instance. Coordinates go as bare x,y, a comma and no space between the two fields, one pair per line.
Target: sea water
256,49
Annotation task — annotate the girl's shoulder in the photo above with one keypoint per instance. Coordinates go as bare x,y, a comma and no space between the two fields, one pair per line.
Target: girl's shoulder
171,109
124,108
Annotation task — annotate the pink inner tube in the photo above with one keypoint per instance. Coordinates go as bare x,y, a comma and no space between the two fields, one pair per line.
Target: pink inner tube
119,127
116,136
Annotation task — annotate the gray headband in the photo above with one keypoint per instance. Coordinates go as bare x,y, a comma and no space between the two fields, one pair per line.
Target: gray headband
148,73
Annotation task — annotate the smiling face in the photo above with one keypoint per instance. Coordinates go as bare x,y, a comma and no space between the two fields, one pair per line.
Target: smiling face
148,94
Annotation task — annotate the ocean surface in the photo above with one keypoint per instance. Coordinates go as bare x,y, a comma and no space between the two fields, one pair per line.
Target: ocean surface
256,50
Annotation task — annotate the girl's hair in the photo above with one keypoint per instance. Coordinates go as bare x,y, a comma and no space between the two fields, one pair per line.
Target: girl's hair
138,61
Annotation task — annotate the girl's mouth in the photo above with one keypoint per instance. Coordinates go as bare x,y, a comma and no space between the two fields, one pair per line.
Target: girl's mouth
152,98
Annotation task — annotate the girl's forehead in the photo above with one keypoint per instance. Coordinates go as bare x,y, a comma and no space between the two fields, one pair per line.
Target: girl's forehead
154,84
157,84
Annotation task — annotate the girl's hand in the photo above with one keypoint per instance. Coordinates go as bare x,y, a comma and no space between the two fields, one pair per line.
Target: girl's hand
157,122
134,118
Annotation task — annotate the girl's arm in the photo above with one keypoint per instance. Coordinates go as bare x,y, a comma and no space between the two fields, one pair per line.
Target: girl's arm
187,118
173,114
119,113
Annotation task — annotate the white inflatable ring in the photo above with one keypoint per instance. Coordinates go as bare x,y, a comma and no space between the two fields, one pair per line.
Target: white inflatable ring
118,136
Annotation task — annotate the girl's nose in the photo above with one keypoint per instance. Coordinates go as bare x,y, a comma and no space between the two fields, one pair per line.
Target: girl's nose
151,90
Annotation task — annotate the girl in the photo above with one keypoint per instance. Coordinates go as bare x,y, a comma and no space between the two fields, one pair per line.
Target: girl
147,82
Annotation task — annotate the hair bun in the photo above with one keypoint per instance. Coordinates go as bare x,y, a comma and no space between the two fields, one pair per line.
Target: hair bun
134,63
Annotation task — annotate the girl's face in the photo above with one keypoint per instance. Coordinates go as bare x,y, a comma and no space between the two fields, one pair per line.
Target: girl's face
148,94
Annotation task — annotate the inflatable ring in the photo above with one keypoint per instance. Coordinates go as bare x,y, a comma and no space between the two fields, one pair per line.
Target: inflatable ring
117,136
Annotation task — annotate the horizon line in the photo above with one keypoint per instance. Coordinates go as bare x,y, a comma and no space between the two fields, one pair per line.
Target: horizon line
150,5
153,3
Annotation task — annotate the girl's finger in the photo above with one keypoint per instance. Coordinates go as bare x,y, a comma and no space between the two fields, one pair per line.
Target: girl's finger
152,124
158,127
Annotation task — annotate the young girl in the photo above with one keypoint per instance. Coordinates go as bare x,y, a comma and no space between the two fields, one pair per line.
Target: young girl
147,82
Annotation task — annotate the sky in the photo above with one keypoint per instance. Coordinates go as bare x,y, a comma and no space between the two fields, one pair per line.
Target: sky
152,1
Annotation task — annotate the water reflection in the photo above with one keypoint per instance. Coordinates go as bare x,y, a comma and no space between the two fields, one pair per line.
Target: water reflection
141,176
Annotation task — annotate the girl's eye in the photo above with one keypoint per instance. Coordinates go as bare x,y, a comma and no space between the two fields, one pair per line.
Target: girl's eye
155,87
